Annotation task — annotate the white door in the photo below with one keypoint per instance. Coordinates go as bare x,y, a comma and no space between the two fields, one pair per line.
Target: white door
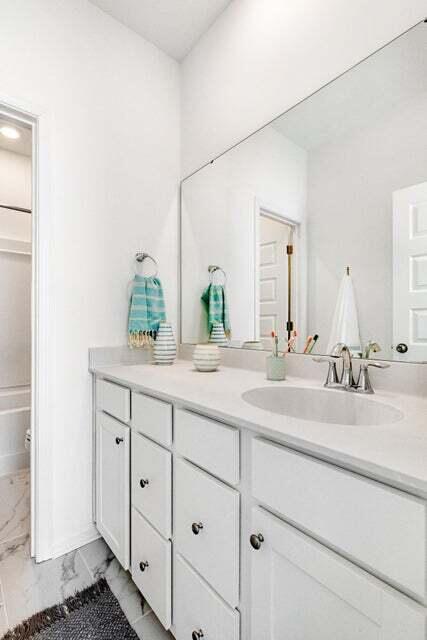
273,277
112,485
410,271
303,591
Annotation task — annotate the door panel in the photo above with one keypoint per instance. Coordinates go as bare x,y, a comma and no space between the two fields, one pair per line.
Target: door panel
410,271
112,490
303,591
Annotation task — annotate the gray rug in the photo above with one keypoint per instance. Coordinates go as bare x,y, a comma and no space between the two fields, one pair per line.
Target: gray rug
92,614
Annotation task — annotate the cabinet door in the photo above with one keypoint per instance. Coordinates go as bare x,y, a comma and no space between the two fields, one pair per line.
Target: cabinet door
112,486
303,591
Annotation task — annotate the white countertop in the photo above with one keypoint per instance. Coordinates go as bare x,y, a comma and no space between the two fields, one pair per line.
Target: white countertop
393,453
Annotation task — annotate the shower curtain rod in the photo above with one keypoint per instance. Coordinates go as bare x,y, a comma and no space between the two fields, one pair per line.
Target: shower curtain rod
20,209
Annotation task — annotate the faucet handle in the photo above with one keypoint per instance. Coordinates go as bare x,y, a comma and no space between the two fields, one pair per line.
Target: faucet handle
377,365
332,377
364,382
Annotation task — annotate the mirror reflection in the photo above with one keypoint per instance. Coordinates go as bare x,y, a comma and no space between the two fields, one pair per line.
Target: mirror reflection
314,229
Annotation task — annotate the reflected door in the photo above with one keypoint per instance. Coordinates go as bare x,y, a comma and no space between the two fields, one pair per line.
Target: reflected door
273,276
410,272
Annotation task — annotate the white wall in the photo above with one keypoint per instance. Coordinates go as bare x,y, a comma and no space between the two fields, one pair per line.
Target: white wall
349,209
113,101
218,224
15,190
260,58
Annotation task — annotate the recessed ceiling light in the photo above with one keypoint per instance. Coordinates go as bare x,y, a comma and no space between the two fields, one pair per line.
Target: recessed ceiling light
10,132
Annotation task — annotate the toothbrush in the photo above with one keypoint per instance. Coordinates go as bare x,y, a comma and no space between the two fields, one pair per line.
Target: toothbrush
312,343
292,340
307,344
276,344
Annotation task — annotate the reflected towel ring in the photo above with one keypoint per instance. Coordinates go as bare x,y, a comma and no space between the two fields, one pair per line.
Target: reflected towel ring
213,268
141,256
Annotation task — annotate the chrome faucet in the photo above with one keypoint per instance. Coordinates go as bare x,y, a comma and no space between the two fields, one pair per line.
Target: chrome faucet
346,381
342,351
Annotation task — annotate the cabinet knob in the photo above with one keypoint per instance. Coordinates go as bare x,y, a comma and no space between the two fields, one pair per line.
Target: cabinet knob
143,566
119,440
143,483
196,527
256,540
197,634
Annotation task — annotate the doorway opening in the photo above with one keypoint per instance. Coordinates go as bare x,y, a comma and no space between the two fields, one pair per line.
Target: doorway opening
16,196
276,278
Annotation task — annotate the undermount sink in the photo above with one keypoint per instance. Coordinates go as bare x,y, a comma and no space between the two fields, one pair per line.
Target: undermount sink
323,405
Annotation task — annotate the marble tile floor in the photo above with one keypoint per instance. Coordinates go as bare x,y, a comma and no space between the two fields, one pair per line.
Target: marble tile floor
27,587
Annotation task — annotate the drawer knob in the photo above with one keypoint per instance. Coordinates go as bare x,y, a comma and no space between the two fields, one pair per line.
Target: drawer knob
143,483
256,540
197,634
119,440
196,527
143,566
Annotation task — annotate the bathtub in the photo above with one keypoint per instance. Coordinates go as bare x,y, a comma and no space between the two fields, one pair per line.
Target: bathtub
15,419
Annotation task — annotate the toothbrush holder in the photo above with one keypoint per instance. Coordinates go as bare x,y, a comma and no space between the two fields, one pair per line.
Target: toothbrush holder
276,368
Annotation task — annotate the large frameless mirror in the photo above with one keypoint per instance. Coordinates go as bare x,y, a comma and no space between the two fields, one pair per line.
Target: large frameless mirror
315,227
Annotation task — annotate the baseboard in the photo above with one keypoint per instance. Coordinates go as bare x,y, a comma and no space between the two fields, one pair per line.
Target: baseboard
61,547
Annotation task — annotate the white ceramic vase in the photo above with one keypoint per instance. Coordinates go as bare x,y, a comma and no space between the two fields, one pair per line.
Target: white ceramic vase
218,335
206,357
164,350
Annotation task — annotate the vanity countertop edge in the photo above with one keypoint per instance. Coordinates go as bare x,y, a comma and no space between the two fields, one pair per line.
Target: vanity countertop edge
395,454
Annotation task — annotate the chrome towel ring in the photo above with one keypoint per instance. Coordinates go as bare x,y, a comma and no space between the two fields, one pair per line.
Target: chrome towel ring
141,256
213,268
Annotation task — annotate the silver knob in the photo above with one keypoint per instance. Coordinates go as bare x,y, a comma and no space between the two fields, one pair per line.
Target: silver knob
143,566
256,540
197,634
143,483
196,527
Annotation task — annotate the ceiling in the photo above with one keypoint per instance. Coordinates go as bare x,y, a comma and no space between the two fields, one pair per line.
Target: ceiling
173,25
23,144
384,82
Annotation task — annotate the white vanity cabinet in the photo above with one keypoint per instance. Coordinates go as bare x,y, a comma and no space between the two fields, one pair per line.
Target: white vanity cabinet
231,536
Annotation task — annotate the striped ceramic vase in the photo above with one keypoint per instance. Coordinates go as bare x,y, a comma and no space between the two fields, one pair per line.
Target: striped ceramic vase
218,335
164,350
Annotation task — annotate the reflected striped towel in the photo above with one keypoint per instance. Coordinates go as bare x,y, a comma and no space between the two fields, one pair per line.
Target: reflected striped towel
146,311
215,302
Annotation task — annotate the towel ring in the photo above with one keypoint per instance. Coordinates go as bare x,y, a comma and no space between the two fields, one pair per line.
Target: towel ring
141,256
213,268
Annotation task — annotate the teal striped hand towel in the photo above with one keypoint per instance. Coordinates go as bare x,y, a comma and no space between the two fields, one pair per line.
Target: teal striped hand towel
146,310
216,305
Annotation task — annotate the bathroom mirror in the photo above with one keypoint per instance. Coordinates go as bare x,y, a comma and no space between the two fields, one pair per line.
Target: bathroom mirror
316,225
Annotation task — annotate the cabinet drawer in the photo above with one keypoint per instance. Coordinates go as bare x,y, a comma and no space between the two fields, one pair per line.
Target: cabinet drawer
152,567
307,591
198,608
209,444
113,399
381,528
152,482
152,417
207,528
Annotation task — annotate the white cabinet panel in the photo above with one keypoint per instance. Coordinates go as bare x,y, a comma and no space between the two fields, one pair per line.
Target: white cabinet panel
152,482
152,567
206,528
209,444
198,609
113,399
112,485
303,591
153,418
381,528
